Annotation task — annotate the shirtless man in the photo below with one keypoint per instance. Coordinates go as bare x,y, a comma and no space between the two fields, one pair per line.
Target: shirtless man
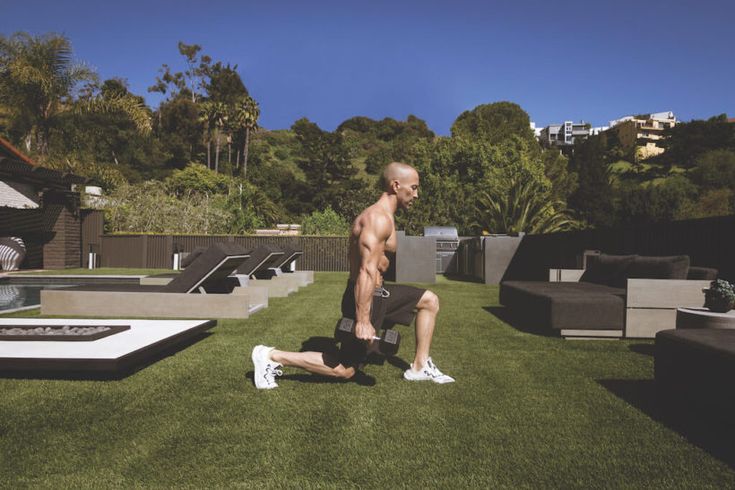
373,233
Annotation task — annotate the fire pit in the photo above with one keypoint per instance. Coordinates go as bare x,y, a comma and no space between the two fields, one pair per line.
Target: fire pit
138,341
59,332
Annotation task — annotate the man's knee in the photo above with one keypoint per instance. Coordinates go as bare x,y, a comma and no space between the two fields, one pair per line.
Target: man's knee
343,372
429,301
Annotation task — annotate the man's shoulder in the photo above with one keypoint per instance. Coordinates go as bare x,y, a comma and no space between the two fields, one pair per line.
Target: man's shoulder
374,214
376,220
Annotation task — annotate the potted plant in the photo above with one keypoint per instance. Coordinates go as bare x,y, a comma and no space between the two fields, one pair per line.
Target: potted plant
720,296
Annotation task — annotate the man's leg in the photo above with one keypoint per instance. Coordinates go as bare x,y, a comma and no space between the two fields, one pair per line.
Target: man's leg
427,310
423,369
313,362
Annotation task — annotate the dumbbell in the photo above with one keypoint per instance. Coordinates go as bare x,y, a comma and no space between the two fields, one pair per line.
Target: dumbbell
388,341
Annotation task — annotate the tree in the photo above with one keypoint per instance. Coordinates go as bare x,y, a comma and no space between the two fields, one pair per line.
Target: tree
381,142
247,205
455,172
525,207
196,178
191,81
220,116
326,222
325,163
686,141
223,84
245,120
214,115
715,169
655,201
564,181
715,202
593,199
494,123
96,133
180,130
37,80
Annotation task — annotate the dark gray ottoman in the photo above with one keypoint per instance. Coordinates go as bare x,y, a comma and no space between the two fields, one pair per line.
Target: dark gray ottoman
696,367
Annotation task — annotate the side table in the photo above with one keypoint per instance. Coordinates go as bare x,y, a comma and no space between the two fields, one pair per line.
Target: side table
704,318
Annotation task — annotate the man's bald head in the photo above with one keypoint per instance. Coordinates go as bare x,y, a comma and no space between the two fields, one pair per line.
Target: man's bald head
396,171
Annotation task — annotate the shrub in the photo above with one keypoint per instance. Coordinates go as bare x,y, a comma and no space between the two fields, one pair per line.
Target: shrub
326,222
148,208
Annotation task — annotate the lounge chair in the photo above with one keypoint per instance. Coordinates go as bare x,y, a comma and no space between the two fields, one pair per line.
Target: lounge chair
283,268
261,261
12,253
185,296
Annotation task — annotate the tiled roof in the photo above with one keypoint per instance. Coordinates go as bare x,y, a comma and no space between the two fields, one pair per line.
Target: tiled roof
7,148
14,165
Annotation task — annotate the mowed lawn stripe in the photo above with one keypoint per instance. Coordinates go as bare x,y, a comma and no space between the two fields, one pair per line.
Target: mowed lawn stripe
527,411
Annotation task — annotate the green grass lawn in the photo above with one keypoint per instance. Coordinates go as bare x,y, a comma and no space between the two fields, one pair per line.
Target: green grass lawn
526,411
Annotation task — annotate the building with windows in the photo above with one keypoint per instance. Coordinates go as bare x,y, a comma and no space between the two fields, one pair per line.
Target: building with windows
564,135
644,132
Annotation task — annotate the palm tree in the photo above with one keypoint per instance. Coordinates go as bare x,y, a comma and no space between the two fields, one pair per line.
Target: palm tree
525,206
214,115
247,113
132,106
219,114
205,116
37,81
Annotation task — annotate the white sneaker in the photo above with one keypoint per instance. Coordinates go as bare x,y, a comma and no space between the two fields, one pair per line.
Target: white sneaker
428,373
265,369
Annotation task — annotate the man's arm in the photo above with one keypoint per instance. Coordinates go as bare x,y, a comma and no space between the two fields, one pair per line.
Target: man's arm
372,247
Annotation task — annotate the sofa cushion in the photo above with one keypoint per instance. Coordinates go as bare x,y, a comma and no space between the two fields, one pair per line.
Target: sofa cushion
702,273
609,270
566,305
672,267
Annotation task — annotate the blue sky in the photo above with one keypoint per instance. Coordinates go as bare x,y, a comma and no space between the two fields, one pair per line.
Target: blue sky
331,60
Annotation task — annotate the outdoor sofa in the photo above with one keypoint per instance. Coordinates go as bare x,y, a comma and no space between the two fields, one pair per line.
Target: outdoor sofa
201,291
617,296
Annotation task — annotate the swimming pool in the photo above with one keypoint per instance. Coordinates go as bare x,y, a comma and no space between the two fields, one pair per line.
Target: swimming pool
23,292
18,297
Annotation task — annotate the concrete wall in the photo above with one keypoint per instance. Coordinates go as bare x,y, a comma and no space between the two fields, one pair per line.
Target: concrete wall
415,260
498,253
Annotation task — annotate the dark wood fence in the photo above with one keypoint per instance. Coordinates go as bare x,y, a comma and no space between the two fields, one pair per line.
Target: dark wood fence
93,223
709,242
156,251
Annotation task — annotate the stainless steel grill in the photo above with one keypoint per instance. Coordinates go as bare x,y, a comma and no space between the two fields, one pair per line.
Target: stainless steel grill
447,242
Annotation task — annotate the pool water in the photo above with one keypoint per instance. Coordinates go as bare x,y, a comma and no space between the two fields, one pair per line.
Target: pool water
15,296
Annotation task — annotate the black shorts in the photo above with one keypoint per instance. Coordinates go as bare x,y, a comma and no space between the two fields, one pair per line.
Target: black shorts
393,303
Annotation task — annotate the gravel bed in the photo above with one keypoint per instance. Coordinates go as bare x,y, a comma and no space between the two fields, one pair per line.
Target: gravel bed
55,330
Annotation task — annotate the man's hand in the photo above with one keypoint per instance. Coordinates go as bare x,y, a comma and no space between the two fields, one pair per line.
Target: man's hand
364,330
